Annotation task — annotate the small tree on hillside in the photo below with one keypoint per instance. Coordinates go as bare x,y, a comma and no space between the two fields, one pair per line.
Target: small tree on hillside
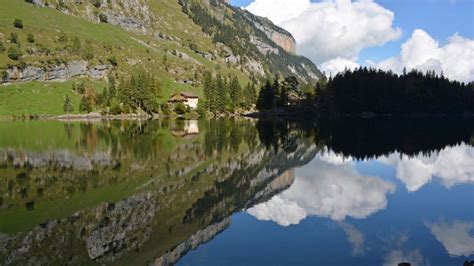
13,38
67,107
18,23
14,53
84,105
31,38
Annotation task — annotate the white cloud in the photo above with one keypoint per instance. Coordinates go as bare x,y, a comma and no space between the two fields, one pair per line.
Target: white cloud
326,189
397,256
452,166
278,11
355,238
336,65
421,51
455,238
331,29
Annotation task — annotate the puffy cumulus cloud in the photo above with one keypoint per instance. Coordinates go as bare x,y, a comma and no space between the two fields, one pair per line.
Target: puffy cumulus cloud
278,11
336,65
421,51
341,28
278,209
456,237
452,165
326,188
413,257
331,32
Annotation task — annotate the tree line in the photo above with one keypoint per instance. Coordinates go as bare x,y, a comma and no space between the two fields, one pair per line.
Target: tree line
379,92
137,93
225,94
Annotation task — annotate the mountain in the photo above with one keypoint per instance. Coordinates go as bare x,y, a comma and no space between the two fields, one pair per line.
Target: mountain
62,40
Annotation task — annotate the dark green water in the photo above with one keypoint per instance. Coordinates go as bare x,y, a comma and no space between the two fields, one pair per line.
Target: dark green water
222,192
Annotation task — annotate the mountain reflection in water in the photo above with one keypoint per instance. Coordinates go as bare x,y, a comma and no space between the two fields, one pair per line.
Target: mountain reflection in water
150,192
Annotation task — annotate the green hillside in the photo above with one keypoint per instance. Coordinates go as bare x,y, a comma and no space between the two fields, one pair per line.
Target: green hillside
168,43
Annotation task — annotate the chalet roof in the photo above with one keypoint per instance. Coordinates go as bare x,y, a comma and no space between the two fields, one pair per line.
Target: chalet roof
189,95
182,97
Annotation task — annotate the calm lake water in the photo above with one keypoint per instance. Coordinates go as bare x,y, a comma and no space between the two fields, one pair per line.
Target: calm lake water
221,192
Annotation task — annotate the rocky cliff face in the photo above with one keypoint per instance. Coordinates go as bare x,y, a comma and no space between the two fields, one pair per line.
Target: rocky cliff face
61,72
278,35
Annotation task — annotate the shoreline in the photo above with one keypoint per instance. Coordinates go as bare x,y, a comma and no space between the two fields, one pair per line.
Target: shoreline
262,115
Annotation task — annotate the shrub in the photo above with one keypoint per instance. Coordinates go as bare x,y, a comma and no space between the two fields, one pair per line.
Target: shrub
14,53
13,38
67,107
62,38
76,44
4,75
180,109
103,18
2,48
84,105
96,3
165,109
88,52
31,38
115,108
79,87
112,60
18,23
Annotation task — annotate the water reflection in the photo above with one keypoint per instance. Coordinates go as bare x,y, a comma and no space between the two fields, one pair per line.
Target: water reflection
136,192
326,187
456,236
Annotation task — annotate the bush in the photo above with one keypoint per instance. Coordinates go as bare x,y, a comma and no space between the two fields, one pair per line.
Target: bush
2,48
88,53
103,18
180,109
79,87
112,60
115,108
31,38
96,3
62,38
165,109
18,23
4,75
13,38
84,105
67,106
14,53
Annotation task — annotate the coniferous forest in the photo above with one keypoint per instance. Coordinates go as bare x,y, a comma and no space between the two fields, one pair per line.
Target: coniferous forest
379,92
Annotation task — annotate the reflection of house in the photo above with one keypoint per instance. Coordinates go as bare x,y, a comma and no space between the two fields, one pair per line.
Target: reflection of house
188,130
187,98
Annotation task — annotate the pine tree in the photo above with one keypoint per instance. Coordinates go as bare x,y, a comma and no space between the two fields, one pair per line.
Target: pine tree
220,92
112,86
84,105
208,85
235,92
67,107
266,98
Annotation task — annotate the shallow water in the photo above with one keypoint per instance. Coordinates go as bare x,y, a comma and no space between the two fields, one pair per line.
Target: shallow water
222,192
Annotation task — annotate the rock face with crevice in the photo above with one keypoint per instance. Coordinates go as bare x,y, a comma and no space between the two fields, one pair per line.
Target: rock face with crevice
279,36
60,72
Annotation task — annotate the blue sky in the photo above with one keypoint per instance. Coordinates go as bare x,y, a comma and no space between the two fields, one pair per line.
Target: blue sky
440,19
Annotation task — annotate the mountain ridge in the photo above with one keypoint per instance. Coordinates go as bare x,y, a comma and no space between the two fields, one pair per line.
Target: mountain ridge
178,41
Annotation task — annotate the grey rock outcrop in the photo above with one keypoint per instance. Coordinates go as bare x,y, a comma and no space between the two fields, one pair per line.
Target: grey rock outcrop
61,72
279,36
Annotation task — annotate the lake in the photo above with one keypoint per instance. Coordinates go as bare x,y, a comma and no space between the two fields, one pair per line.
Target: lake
378,191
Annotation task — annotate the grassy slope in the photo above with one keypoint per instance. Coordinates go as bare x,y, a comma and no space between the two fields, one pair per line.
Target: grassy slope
47,24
